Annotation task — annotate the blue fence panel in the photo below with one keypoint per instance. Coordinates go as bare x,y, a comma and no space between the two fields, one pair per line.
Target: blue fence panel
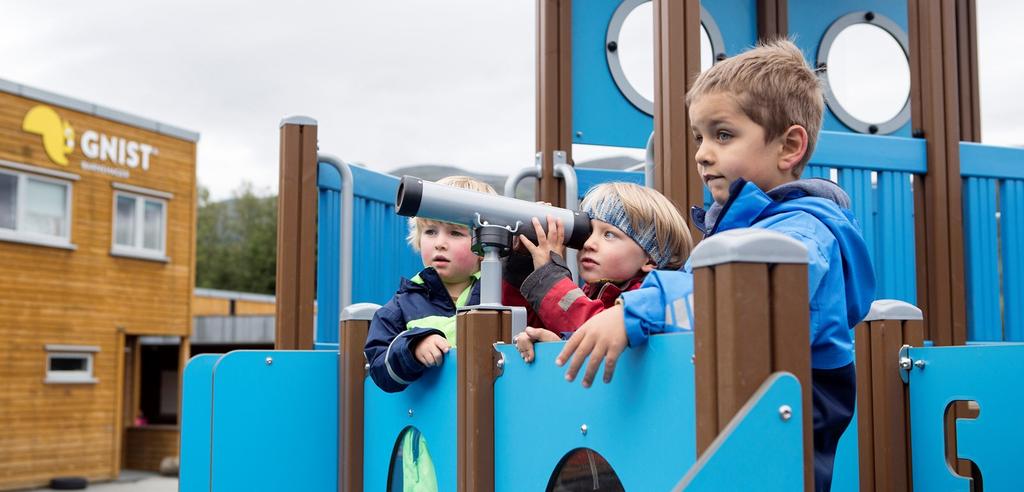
895,255
196,409
275,421
587,178
857,182
327,246
1011,197
646,411
988,374
429,405
981,248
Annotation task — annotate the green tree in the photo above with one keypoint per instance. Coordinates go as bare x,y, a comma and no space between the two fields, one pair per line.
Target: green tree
236,241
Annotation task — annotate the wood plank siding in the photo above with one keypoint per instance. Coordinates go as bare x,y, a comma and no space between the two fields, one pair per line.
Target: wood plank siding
85,296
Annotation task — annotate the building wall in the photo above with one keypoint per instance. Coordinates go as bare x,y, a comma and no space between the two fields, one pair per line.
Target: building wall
85,296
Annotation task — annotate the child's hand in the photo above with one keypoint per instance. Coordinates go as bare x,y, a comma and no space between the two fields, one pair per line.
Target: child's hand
546,242
601,337
524,341
430,350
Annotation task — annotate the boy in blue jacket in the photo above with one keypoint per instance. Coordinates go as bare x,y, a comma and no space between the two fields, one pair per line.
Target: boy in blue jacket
755,119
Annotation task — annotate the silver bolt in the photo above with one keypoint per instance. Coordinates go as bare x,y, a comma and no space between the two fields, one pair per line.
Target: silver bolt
270,360
693,359
579,134
410,412
500,363
785,412
919,364
905,363
366,367
583,429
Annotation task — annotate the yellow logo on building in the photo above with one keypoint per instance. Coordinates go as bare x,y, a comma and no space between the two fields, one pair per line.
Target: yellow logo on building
58,136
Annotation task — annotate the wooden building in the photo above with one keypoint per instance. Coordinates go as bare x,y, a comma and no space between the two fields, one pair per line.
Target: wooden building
97,251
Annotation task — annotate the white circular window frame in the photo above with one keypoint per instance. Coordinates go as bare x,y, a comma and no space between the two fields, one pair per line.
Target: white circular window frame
615,65
825,46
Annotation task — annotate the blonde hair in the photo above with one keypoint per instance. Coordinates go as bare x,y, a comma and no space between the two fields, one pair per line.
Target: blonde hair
773,86
417,224
644,209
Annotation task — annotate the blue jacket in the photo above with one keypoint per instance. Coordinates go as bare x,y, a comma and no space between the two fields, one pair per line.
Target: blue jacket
815,212
421,307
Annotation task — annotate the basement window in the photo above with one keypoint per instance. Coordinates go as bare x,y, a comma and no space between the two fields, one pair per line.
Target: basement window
70,364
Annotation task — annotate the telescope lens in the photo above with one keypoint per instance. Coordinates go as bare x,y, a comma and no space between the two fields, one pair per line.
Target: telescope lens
410,193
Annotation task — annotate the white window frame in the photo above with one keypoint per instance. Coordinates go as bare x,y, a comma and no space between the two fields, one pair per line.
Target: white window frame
20,203
85,376
136,250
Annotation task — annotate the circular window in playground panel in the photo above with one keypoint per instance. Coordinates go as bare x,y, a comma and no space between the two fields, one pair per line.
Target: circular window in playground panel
411,466
630,50
584,469
866,72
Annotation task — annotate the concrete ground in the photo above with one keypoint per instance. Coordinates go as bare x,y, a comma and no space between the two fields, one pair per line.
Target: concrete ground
135,481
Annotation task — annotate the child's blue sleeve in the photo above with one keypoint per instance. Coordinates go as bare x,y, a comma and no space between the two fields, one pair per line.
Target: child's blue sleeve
662,304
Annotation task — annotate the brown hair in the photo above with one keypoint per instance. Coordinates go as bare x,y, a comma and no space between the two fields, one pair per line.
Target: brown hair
773,86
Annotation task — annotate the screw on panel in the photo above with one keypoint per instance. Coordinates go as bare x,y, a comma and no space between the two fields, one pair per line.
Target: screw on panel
720,57
410,412
919,364
270,360
612,46
872,129
785,412
579,134
870,16
905,363
366,367
693,359
583,429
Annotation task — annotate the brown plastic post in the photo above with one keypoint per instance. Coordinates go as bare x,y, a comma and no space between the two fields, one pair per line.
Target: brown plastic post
751,320
676,65
477,331
296,235
772,19
967,63
355,323
883,423
554,93
935,115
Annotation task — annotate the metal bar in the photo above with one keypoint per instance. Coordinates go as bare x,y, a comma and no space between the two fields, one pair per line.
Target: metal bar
345,231
572,202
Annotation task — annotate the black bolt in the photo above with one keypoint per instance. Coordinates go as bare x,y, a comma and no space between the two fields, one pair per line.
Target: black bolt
872,129
720,57
870,16
917,133
822,66
612,46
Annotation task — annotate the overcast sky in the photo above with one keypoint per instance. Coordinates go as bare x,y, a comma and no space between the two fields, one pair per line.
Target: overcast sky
391,83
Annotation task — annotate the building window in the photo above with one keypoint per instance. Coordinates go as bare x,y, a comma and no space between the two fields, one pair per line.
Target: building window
70,364
140,225
35,209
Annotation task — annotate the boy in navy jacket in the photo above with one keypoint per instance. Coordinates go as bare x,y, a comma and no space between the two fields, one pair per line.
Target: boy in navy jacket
755,118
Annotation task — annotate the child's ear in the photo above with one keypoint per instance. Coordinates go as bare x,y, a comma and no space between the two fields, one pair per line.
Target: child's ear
648,267
794,145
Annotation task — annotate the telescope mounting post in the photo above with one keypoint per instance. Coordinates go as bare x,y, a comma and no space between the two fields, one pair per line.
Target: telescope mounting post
495,240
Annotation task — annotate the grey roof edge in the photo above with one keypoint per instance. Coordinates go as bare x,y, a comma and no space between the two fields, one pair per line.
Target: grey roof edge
298,120
359,311
748,246
230,294
97,110
893,309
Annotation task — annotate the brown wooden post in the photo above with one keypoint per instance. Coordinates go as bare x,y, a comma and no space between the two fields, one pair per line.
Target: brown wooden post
883,422
554,93
478,366
355,323
676,65
967,70
935,115
296,235
772,19
751,320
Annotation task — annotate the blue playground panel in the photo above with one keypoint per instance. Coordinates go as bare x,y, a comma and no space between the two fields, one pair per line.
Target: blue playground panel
988,374
646,413
429,405
196,407
758,450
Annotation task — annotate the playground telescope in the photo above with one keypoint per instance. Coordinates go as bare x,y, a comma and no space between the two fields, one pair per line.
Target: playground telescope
419,198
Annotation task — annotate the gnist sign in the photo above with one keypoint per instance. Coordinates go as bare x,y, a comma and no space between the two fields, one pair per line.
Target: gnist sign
58,139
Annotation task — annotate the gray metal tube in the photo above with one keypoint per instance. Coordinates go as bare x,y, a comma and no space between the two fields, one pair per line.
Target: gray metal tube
572,202
649,163
490,278
345,246
513,181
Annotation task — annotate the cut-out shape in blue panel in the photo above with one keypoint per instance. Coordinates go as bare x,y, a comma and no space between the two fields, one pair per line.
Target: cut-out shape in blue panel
601,114
758,450
275,425
646,411
808,20
429,404
196,408
846,468
989,374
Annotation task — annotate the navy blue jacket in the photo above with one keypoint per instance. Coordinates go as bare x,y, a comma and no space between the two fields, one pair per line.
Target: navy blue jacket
421,307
